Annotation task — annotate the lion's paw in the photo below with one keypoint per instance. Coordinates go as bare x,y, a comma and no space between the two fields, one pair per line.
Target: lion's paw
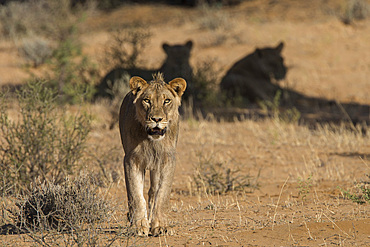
142,227
160,228
157,231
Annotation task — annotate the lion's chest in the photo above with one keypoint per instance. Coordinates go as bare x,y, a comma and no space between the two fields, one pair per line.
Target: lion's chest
152,155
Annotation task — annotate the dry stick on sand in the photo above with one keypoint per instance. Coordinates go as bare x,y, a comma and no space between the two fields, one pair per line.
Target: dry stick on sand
277,204
308,230
336,225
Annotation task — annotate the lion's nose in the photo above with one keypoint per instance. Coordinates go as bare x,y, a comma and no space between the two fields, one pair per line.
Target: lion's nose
156,119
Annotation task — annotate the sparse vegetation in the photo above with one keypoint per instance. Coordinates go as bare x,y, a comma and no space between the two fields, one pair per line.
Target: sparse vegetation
279,113
361,193
64,207
126,46
204,87
35,50
218,177
43,144
213,18
45,31
70,214
73,80
304,186
355,10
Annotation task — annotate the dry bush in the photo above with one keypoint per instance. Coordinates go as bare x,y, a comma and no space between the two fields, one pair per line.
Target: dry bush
355,10
71,214
204,89
64,207
35,50
218,177
73,75
213,18
45,18
126,46
118,88
43,144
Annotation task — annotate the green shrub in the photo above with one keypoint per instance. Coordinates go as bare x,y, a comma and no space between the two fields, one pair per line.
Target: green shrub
361,194
304,186
44,143
73,75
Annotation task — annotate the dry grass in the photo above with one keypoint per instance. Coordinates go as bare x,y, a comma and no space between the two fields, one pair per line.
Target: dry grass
299,170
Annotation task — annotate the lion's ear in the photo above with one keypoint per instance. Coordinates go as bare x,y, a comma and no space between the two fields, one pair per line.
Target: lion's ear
279,47
178,85
189,44
136,84
259,52
165,47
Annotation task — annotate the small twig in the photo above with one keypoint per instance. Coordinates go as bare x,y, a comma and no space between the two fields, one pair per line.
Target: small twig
277,204
308,230
290,233
335,224
354,230
240,214
214,219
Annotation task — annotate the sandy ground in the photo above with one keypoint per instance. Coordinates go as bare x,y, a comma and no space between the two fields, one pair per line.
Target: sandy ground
298,170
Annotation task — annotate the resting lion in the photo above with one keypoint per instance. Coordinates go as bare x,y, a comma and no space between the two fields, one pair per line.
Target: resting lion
251,77
149,126
176,64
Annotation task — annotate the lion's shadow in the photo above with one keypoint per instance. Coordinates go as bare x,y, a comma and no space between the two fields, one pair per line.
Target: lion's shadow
175,65
254,78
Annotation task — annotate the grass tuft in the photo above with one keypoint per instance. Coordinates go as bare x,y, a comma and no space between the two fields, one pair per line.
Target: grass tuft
219,177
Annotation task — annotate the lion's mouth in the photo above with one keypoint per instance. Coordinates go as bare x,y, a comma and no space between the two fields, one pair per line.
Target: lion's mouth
156,131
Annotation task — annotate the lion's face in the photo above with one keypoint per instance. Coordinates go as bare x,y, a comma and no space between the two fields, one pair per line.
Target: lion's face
157,104
271,62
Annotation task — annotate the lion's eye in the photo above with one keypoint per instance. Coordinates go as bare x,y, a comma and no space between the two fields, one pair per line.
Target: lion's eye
146,101
167,101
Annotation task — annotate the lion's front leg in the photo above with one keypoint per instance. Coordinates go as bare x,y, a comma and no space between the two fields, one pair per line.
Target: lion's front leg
134,177
161,182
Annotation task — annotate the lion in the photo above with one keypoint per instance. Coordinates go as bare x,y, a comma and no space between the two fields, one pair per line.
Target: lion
149,127
251,77
176,64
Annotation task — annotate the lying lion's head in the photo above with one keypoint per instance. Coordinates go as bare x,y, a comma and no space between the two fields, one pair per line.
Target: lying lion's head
157,103
178,54
271,62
